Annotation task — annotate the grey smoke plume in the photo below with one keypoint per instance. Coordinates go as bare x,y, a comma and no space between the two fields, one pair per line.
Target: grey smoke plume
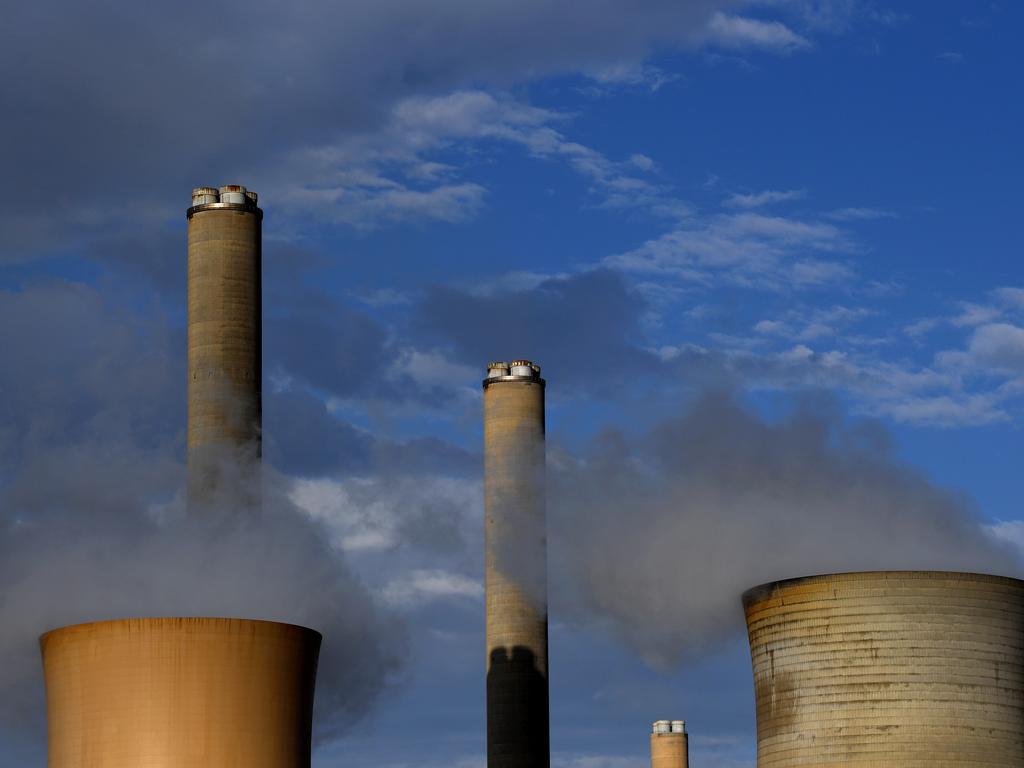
141,557
660,535
93,521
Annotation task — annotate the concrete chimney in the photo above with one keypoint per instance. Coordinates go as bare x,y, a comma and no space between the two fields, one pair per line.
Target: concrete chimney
516,566
196,692
224,332
669,744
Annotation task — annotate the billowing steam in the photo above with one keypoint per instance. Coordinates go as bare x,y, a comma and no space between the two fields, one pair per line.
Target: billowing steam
130,556
660,535
93,520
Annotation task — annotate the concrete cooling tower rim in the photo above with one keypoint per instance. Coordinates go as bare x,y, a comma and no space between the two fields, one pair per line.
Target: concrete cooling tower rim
177,621
765,591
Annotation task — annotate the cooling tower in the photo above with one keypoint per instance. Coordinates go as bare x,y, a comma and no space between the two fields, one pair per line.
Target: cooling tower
886,669
177,692
516,567
224,331
669,747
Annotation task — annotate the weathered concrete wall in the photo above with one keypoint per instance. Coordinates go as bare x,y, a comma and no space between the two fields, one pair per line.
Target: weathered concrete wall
516,573
908,669
224,336
196,692
669,750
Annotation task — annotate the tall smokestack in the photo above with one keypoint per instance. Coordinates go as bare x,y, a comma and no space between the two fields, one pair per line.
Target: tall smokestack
224,332
669,744
516,567
196,692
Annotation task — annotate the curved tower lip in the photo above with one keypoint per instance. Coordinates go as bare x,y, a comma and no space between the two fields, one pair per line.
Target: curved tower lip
763,591
158,620
528,379
243,207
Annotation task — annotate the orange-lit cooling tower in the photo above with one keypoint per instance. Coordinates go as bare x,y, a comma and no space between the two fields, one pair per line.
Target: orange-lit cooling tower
516,567
180,693
886,669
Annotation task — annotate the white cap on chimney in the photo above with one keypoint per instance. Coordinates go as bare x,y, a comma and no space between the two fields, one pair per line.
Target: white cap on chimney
233,193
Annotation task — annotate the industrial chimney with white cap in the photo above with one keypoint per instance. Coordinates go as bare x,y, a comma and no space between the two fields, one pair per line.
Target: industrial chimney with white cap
224,334
516,567
669,744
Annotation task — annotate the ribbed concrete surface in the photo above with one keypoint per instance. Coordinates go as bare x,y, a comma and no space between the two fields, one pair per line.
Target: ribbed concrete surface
669,750
908,669
516,561
224,334
180,693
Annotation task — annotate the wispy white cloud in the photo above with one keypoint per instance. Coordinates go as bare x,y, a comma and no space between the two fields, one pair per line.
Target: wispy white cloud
946,411
994,347
746,249
835,16
741,32
429,585
368,202
1010,297
1003,303
972,314
1009,532
431,369
919,328
816,356
634,74
394,174
767,197
808,324
859,214
373,514
895,389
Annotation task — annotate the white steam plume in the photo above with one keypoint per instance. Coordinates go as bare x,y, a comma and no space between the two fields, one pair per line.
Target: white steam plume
660,535
93,544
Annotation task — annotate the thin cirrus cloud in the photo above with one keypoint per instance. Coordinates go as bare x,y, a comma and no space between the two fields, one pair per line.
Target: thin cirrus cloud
422,585
766,197
741,32
745,249
392,174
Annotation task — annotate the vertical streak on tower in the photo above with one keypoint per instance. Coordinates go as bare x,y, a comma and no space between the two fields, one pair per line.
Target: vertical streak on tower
224,333
669,744
516,567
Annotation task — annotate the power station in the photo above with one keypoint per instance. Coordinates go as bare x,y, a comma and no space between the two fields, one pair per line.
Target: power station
908,669
187,691
515,543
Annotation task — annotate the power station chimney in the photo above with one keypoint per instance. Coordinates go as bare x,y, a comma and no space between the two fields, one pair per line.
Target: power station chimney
167,692
516,567
669,744
224,333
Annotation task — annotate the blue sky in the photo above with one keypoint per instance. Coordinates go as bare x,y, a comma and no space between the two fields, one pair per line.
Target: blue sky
766,253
